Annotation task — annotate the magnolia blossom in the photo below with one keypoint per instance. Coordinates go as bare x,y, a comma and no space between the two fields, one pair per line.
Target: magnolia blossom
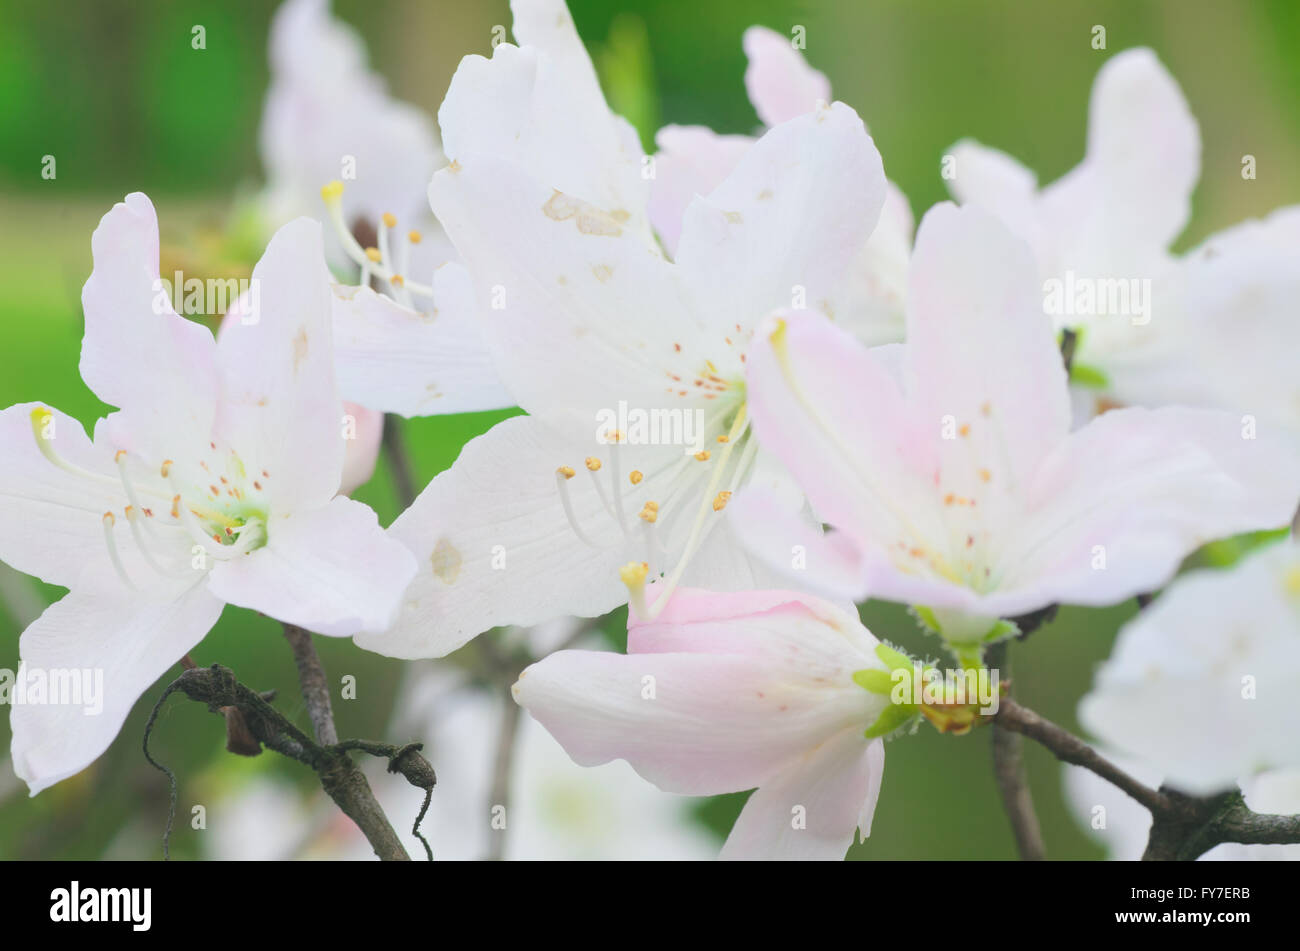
630,366
1122,826
949,470
1200,684
694,160
215,482
726,692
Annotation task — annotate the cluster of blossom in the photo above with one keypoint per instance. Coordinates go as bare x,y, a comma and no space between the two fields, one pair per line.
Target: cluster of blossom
882,414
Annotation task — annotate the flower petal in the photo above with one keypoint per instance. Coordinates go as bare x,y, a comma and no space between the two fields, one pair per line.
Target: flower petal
780,82
280,407
398,360
332,570
494,545
784,226
1136,491
1200,684
361,451
692,160
138,354
810,810
125,644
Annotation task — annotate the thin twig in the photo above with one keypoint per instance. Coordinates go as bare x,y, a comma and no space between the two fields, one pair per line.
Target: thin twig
1009,771
399,460
315,688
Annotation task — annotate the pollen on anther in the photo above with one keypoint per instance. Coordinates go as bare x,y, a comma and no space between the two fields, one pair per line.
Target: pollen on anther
129,512
166,468
635,476
117,456
985,475
965,429
593,464
390,220
109,519
649,515
333,191
414,237
652,505
374,255
721,501
702,455
176,506
397,280
724,438
215,490
566,471
257,485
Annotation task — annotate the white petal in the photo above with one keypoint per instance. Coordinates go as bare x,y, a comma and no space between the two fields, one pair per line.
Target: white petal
786,223
125,644
280,407
495,547
1200,683
811,809
781,84
1138,490
692,160
361,452
579,312
398,360
332,570
137,353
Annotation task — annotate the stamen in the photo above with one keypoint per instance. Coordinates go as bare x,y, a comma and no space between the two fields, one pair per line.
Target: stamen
120,458
112,552
635,476
720,502
633,574
40,418
562,477
133,518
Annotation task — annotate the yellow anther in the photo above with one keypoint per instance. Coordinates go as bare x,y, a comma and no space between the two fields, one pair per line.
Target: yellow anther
1291,580
652,505
702,455
108,519
332,192
117,456
633,574
390,220
176,506
724,438
166,468
397,280
593,464
721,501
649,515
374,255
635,476
615,436
566,471
414,237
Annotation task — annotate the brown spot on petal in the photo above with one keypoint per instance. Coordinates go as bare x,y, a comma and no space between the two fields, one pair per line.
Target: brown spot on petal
446,561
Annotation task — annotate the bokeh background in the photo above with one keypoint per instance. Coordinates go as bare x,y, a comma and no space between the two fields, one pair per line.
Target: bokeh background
113,89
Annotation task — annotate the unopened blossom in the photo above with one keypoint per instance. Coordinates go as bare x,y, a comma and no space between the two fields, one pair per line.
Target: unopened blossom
726,692
214,482
1200,685
949,471
631,367
694,160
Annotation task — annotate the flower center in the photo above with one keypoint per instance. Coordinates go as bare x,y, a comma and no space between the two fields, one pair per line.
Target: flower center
390,261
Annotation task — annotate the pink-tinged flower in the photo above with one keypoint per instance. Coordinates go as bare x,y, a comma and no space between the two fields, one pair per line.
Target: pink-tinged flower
1101,233
694,160
215,482
953,480
1200,685
630,366
727,692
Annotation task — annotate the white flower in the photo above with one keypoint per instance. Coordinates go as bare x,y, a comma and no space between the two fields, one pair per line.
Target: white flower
546,204
215,482
1201,684
953,479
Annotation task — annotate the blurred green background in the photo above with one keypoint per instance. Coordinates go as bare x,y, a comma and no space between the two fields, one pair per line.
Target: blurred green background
113,89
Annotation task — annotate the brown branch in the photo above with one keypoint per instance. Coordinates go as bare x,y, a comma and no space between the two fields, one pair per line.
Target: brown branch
1182,827
315,688
1009,771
